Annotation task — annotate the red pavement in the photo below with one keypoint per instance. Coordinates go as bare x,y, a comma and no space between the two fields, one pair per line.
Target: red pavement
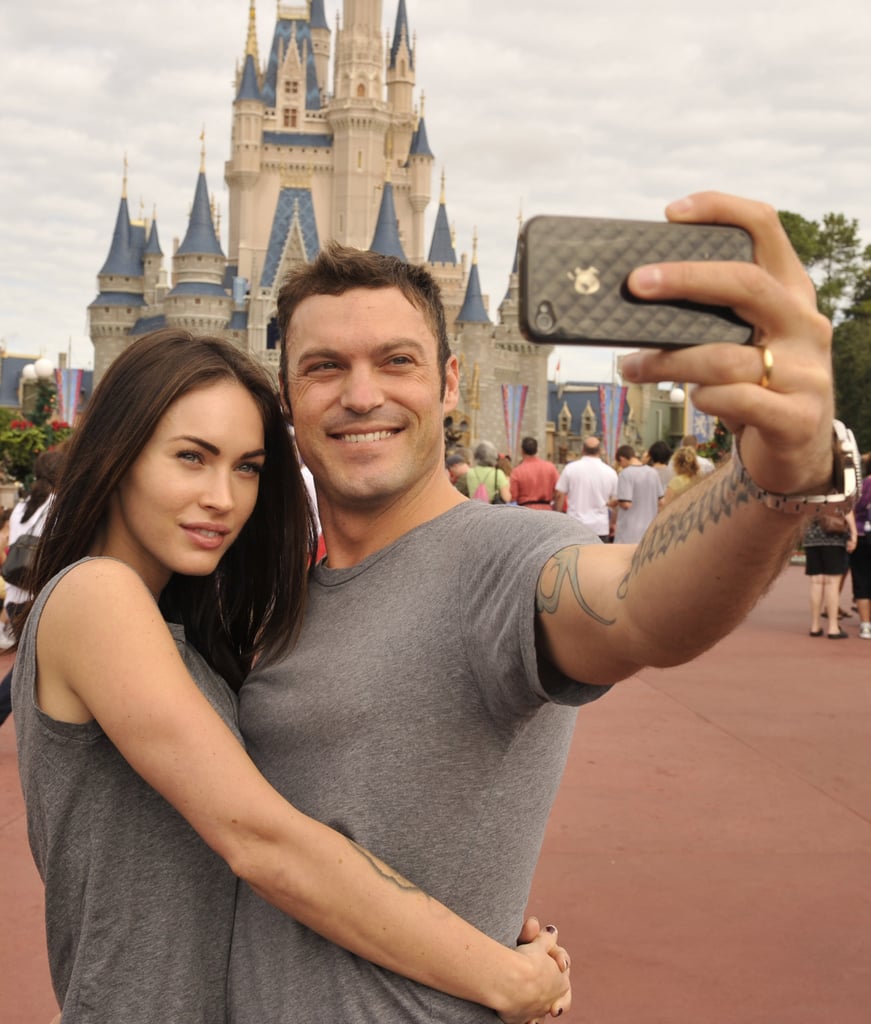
708,860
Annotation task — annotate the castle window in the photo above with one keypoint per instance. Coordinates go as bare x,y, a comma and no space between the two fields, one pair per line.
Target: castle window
402,68
359,159
361,91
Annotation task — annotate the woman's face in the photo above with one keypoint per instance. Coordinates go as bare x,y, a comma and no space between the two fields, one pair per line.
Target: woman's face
192,488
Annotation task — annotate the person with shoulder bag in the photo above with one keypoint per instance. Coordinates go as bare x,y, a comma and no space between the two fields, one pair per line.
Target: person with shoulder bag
25,527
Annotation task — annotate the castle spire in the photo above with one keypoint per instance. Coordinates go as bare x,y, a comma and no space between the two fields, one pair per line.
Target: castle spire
442,249
386,240
473,311
251,42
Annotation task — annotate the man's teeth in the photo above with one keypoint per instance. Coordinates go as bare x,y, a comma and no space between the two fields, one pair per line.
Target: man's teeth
378,435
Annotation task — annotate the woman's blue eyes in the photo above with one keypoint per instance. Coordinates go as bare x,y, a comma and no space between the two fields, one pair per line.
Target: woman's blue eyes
197,458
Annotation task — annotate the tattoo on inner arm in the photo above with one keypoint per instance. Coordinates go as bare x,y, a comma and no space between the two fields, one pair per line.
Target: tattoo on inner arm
561,567
383,871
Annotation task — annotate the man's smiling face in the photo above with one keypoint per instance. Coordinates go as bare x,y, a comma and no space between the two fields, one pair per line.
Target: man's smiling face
364,390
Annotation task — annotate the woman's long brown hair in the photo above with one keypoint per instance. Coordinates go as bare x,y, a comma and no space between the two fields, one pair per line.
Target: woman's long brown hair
250,607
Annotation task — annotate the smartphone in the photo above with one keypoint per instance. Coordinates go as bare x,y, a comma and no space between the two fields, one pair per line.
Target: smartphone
573,290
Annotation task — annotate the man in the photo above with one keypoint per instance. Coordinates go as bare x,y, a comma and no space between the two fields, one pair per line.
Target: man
533,480
639,492
587,488
444,758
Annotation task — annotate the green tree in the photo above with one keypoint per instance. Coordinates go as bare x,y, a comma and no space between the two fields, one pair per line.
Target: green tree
832,252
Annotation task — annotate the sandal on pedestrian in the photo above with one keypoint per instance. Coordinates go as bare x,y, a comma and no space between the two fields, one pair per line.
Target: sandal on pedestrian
840,635
815,632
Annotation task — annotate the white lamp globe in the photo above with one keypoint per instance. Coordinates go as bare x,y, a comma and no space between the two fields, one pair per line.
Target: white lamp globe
28,372
676,395
44,368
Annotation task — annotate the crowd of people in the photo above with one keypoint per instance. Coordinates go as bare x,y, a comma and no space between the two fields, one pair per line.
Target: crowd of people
274,756
619,501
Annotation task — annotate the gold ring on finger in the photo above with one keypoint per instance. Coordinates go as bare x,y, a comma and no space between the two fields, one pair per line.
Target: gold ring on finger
767,367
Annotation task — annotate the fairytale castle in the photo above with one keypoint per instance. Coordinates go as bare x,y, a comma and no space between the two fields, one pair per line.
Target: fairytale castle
311,160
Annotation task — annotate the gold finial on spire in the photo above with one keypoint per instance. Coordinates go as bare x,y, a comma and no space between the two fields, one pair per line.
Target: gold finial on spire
203,150
422,103
389,147
251,42
474,245
519,218
442,195
124,179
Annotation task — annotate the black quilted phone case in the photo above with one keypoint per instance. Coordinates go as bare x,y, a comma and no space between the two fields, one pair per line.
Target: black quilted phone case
573,274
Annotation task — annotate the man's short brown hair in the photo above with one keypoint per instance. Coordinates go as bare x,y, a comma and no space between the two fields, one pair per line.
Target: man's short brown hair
340,268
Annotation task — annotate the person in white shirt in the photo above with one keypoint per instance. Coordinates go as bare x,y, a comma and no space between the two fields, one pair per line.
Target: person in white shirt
585,489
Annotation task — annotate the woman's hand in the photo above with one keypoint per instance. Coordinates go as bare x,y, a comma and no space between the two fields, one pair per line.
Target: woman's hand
546,987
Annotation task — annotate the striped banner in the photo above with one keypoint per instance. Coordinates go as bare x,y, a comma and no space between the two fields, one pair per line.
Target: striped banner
513,404
69,388
612,402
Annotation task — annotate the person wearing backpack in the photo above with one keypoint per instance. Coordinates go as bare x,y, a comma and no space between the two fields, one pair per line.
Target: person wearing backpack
485,481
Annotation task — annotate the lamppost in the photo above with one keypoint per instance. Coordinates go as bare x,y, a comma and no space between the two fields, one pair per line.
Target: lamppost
37,388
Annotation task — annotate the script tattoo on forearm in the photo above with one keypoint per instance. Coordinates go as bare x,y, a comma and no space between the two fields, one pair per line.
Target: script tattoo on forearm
383,872
564,566
700,507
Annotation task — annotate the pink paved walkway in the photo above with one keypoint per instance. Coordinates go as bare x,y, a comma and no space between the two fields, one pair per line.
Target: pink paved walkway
709,857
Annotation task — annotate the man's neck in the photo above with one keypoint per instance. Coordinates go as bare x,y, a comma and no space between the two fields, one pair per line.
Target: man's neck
352,532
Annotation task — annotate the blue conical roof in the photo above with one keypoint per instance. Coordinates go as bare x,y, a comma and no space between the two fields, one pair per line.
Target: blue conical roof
442,248
401,24
123,259
419,142
386,240
249,89
201,237
473,311
317,17
152,247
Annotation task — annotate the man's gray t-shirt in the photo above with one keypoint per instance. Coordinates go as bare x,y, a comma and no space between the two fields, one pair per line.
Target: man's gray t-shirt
640,485
411,716
138,910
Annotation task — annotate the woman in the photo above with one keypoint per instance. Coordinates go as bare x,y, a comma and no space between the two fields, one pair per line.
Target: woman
182,501
687,472
485,481
826,550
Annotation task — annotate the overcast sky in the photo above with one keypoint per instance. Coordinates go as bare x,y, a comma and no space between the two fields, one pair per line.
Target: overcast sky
566,106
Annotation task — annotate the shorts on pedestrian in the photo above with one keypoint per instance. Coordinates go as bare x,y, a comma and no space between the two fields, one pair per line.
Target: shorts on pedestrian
825,560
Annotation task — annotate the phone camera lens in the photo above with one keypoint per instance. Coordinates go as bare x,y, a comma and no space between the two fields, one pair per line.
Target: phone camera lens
545,321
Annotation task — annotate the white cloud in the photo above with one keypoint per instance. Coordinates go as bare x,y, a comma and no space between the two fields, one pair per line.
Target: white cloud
569,108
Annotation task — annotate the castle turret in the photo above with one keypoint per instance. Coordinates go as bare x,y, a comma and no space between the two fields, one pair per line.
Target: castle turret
386,239
242,170
153,265
474,310
420,161
359,121
121,284
320,35
199,300
400,65
444,265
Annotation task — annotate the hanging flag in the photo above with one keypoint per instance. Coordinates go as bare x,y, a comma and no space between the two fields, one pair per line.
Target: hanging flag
69,388
612,402
513,404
